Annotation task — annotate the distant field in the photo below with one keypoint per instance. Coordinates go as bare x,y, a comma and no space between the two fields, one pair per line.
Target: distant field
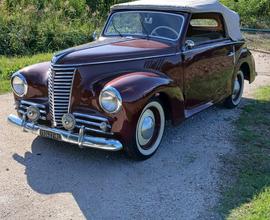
258,41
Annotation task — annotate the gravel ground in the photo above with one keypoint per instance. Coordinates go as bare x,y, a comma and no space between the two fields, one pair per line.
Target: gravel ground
42,179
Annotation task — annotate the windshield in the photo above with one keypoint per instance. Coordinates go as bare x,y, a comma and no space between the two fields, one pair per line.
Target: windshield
143,23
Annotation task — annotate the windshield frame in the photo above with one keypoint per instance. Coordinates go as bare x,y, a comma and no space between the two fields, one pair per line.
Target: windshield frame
143,35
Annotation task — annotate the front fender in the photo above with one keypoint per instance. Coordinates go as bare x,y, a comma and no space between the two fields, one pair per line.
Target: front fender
137,89
37,79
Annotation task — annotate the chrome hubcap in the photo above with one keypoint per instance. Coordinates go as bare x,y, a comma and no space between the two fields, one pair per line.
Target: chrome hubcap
146,127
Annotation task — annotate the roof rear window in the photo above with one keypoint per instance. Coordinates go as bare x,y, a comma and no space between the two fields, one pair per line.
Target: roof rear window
206,27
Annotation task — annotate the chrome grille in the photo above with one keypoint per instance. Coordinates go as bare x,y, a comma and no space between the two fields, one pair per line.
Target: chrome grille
92,123
23,106
60,86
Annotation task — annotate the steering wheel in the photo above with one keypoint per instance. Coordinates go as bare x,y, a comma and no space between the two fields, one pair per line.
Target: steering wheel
154,32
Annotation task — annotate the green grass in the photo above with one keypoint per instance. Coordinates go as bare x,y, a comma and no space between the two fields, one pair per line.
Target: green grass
249,195
4,86
9,65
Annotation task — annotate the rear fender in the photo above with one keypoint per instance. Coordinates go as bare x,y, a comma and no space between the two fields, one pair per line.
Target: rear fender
246,62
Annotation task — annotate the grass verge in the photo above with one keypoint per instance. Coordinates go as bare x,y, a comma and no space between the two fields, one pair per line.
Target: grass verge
4,86
249,195
9,65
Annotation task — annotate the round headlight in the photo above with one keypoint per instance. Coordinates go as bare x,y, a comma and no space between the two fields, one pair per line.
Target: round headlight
19,84
110,100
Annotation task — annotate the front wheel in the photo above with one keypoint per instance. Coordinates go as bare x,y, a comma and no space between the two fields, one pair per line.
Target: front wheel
238,87
149,132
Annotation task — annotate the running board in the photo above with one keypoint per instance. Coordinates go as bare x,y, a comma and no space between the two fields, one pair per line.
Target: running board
193,111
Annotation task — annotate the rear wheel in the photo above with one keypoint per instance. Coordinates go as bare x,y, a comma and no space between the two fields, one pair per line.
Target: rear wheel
149,132
238,87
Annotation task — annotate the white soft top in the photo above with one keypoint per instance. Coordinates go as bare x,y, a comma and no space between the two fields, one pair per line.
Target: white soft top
231,18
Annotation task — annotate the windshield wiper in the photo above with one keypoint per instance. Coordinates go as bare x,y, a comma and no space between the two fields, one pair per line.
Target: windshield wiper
144,29
119,33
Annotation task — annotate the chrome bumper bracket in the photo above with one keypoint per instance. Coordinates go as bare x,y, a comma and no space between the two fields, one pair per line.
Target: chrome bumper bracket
80,139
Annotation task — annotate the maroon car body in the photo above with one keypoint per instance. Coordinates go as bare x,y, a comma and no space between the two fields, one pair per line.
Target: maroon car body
184,79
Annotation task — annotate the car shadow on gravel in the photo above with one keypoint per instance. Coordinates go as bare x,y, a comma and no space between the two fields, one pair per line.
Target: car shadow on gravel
107,185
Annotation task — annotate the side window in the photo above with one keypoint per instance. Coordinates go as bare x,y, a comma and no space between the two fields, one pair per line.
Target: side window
206,28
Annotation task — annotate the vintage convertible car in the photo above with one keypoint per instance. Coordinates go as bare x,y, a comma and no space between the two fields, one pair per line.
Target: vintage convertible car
154,60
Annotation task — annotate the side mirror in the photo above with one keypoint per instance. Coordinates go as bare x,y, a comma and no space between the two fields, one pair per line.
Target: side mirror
95,36
189,44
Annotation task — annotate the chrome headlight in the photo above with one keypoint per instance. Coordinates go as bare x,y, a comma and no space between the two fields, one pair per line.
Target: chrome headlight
19,84
110,100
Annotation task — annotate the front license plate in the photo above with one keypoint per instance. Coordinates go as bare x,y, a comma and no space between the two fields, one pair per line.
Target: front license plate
51,135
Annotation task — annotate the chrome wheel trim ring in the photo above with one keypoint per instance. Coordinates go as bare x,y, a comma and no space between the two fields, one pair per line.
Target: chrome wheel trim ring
238,88
147,112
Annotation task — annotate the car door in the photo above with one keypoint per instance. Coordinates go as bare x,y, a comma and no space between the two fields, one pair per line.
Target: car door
208,61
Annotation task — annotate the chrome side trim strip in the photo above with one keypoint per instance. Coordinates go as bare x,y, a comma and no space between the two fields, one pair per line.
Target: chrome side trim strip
66,136
112,61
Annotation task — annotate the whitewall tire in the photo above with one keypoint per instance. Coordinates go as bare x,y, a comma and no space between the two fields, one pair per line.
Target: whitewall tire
238,87
149,131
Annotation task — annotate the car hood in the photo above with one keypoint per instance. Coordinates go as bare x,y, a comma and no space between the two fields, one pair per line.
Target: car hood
112,49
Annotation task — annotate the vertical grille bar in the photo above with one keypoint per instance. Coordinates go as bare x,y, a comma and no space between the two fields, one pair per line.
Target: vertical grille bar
60,87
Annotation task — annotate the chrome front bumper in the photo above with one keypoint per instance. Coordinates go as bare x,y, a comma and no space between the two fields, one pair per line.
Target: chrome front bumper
78,139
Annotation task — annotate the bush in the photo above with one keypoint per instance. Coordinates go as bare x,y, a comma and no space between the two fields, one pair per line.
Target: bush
253,13
36,26
33,26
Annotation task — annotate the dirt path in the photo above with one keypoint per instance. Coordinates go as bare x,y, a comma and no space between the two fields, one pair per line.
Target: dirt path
43,179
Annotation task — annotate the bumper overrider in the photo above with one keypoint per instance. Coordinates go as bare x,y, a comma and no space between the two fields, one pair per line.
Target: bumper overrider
79,139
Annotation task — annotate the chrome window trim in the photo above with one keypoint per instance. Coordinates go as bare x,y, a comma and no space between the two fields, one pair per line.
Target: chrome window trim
18,74
146,11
